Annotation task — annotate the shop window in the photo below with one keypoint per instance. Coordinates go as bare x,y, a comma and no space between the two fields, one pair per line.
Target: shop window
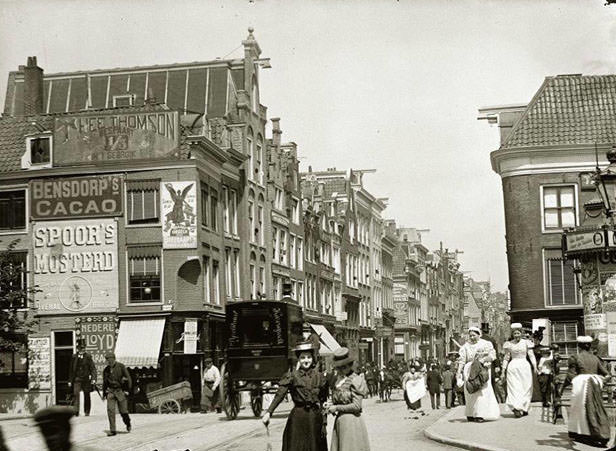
144,279
13,209
559,207
14,364
562,287
564,334
39,150
14,280
143,200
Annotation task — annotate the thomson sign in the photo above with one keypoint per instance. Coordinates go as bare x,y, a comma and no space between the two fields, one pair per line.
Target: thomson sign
588,241
84,197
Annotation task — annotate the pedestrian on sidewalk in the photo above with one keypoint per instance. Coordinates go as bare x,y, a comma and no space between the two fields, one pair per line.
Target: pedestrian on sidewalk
211,383
588,420
414,388
519,371
306,427
350,433
117,384
481,404
545,375
448,385
81,376
434,380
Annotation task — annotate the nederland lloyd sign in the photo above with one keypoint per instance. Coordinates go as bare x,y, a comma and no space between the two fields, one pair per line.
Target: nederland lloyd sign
179,215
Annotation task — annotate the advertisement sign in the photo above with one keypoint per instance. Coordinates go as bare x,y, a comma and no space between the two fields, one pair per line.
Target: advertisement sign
39,363
595,322
99,334
583,241
611,333
76,197
179,212
91,138
190,336
76,266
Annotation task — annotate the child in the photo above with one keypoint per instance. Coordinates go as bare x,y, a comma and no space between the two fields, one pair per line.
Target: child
545,375
499,381
448,383
414,388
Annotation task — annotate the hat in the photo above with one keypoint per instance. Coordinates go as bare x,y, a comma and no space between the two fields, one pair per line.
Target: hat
475,329
110,354
81,343
342,357
207,360
584,339
516,326
305,346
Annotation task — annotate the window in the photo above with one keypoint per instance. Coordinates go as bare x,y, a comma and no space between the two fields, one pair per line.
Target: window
13,209
14,364
216,282
299,294
226,217
283,247
251,219
213,210
561,283
295,211
39,149
275,245
292,256
559,207
207,283
399,345
15,278
565,334
259,160
228,273
300,254
233,211
250,163
123,100
259,232
143,201
278,199
144,279
236,273
253,282
205,205
275,285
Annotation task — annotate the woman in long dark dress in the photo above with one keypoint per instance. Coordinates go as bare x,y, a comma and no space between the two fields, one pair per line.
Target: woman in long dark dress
305,430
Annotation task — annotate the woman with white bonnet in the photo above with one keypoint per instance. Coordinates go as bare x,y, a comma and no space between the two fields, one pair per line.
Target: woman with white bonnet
588,420
481,405
519,372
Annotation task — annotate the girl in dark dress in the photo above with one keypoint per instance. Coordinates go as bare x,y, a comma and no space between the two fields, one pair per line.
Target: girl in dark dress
305,429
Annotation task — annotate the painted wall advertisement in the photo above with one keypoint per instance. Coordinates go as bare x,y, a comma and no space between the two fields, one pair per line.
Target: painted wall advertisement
39,363
76,266
64,198
99,334
179,215
119,136
190,336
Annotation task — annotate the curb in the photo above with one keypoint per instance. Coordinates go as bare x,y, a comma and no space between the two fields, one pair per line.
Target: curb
459,443
15,417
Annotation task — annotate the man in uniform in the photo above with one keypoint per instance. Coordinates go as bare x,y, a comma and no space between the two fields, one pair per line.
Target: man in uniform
82,374
117,385
211,381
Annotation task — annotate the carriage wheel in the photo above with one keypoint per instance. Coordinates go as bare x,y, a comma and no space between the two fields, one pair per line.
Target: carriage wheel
229,395
169,406
256,402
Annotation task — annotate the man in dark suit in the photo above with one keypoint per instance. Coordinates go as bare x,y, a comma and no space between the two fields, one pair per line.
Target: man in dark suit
434,381
117,384
82,374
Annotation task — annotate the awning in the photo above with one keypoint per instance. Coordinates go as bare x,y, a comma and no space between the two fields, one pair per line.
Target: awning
328,342
138,343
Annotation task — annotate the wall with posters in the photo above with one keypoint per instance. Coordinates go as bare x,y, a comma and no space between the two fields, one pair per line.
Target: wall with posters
99,334
76,266
179,214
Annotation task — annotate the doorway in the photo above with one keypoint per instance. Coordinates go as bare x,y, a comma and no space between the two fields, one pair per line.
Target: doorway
64,348
187,367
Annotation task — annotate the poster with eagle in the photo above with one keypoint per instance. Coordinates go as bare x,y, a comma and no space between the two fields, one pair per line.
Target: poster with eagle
179,215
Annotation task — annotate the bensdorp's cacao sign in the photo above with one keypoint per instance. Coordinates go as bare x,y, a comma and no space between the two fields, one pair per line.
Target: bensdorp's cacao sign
76,197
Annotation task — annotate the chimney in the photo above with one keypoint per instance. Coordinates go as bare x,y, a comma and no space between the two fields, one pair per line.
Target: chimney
276,132
33,88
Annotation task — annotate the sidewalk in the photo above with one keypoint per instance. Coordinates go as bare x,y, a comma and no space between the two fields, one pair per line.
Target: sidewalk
534,432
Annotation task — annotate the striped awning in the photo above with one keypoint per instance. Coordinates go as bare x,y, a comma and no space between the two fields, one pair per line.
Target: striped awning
138,343
328,342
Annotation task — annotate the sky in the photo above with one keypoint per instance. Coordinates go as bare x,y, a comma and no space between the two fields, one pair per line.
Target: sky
367,84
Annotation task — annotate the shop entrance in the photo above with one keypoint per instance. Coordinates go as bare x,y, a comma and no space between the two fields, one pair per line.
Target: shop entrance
63,352
188,368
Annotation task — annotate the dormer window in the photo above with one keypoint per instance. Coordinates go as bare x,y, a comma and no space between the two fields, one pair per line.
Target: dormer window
38,152
124,100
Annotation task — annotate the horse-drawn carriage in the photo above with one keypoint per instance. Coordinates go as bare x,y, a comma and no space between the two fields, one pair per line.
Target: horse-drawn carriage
260,339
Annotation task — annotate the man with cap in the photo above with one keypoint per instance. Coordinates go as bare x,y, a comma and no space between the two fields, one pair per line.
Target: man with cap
588,420
117,384
211,381
82,374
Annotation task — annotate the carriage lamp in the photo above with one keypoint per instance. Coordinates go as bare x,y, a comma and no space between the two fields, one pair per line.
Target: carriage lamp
605,182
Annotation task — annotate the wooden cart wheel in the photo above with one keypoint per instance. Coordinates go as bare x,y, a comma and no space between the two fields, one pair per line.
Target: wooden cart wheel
169,406
256,402
229,395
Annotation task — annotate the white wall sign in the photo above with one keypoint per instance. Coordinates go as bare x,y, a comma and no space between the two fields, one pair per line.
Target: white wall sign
76,266
190,336
39,363
179,214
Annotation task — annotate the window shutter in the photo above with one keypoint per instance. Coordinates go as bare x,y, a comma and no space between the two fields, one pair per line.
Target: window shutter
556,282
